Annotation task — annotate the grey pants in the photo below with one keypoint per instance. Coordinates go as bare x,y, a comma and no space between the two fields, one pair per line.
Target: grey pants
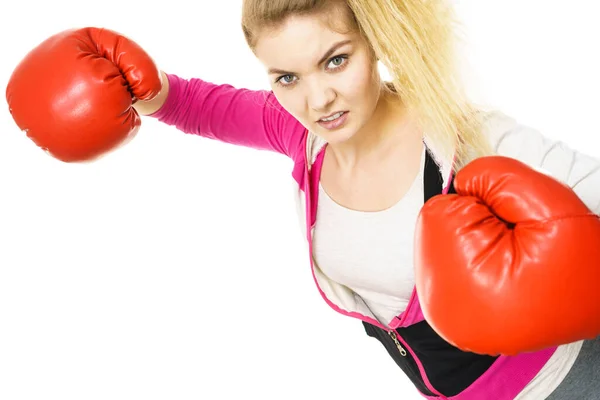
583,380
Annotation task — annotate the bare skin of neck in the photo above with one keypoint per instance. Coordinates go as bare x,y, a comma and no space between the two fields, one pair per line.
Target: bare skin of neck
374,170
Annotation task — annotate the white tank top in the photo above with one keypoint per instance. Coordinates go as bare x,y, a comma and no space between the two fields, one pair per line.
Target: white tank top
371,252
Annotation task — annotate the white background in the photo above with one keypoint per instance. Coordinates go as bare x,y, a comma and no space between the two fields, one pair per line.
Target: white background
174,268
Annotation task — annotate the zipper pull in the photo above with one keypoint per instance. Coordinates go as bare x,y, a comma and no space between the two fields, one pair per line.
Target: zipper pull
398,344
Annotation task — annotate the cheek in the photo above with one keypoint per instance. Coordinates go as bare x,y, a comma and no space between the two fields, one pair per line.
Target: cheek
359,83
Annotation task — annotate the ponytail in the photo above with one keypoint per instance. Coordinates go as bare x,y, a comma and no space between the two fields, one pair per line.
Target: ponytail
415,40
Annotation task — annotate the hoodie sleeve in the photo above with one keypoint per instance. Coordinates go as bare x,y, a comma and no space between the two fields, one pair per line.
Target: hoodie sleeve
250,118
578,170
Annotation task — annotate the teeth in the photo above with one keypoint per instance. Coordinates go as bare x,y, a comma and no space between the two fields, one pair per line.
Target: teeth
334,116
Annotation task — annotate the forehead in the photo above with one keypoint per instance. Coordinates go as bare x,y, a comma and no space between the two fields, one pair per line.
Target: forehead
300,41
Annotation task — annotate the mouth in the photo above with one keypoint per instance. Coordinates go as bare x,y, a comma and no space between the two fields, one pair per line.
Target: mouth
332,117
334,121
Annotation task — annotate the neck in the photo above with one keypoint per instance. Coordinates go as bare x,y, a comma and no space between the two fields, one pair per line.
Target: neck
390,124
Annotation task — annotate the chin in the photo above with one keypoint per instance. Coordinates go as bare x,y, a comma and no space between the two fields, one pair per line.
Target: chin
337,136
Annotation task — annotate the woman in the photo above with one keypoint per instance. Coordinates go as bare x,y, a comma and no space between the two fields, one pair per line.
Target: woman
372,143
367,155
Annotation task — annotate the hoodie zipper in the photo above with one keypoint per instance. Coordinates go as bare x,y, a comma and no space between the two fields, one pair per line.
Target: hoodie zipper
404,349
401,349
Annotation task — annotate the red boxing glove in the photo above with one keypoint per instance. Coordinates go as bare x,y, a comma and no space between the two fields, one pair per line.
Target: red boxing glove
72,94
509,264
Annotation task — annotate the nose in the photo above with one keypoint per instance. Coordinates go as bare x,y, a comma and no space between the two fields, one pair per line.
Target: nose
320,96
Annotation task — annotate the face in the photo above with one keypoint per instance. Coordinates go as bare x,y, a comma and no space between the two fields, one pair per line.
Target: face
326,79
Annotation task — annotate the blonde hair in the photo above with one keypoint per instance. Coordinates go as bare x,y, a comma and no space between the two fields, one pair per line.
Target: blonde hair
416,41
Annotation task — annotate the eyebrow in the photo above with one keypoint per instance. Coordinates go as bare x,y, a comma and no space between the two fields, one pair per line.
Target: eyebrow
327,54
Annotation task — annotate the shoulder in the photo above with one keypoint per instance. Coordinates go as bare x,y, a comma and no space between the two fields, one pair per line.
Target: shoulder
506,135
554,157
511,138
287,130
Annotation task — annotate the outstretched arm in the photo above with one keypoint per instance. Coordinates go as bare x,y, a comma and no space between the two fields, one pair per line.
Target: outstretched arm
251,118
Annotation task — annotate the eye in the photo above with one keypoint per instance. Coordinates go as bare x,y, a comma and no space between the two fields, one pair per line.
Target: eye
337,61
285,80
